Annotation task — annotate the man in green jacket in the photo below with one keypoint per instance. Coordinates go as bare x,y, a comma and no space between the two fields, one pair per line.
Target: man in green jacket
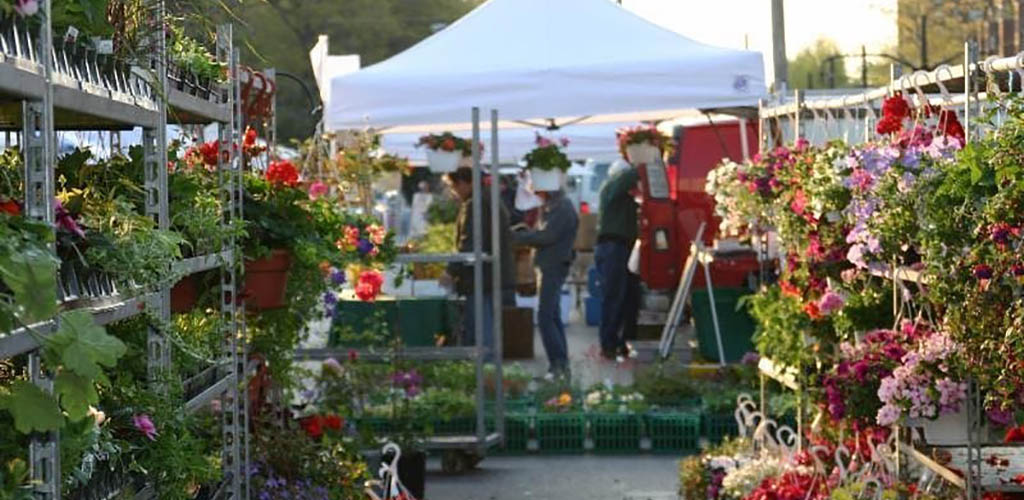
616,234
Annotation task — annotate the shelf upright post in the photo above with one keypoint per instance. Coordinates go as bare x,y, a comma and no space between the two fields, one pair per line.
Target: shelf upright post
37,146
154,151
478,278
497,289
798,102
242,353
228,175
970,58
270,125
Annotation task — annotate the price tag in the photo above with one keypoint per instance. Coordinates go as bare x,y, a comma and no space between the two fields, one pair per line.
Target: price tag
71,35
104,47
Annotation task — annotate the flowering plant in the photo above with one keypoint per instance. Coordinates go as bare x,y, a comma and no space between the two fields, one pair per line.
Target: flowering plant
447,142
644,134
560,403
282,173
603,399
927,383
548,155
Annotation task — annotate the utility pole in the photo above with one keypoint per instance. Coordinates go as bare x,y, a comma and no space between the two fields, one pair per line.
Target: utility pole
779,62
924,40
863,67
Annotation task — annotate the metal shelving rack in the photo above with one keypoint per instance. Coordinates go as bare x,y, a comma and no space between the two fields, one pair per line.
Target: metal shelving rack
1004,74
40,92
482,440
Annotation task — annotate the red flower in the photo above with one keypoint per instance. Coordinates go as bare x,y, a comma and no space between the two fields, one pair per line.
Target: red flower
812,310
209,151
448,145
790,289
369,285
353,355
333,422
1014,435
10,207
282,172
889,125
312,426
950,126
896,106
249,140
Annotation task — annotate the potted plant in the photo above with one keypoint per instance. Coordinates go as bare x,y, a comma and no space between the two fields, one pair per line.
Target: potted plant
643,144
445,151
547,163
274,222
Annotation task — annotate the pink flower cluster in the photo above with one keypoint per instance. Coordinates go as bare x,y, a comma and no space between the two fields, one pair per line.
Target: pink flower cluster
924,372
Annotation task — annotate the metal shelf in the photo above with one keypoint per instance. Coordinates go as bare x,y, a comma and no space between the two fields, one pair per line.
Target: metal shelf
188,109
202,263
20,341
934,466
785,375
208,394
903,274
461,442
430,258
413,353
76,109
999,478
20,78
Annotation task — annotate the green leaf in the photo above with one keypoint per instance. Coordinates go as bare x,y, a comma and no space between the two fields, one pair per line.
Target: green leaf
32,409
32,277
83,347
76,392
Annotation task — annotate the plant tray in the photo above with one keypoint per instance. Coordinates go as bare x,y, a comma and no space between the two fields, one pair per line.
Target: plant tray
718,425
560,432
673,432
517,432
615,432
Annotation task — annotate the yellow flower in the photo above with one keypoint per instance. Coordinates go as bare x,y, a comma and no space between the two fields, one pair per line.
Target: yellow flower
565,399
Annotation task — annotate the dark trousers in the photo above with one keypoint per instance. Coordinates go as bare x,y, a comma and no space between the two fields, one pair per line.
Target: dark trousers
620,304
549,316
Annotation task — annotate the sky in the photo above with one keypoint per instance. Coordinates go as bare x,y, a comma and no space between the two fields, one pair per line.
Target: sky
732,23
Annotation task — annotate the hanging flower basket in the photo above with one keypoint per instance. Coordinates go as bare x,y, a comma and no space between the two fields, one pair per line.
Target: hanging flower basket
184,295
443,161
643,153
266,280
546,180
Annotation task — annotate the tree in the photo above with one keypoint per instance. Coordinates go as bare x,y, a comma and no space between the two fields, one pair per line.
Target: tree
818,66
933,32
280,33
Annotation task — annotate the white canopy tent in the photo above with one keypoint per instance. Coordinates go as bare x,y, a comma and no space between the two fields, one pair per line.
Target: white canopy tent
587,141
539,61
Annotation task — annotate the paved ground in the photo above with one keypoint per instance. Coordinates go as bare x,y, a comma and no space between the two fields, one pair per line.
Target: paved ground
640,477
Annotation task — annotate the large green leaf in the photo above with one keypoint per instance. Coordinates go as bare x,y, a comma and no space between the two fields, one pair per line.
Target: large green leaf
83,347
32,277
76,392
32,409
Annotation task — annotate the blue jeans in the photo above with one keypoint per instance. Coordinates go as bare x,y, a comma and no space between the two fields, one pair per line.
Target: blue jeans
549,316
469,325
620,304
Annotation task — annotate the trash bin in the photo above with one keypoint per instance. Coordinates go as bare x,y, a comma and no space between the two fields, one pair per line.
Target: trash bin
736,326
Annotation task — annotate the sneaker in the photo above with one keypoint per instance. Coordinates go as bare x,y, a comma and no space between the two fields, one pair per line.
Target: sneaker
608,354
626,351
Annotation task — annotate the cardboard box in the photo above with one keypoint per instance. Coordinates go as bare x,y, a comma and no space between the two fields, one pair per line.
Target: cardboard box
586,235
526,277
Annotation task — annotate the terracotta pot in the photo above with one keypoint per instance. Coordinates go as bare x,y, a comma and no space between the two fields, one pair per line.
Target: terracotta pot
184,295
266,280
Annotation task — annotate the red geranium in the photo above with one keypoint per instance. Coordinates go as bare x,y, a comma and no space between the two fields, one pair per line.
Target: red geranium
333,422
369,285
210,151
282,172
10,207
312,426
1014,435
790,289
894,110
950,126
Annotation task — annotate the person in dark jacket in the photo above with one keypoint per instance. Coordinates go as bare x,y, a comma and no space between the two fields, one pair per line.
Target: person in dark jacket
553,239
461,274
616,235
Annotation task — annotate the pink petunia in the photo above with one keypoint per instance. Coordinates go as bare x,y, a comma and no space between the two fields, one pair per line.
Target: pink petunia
144,425
317,189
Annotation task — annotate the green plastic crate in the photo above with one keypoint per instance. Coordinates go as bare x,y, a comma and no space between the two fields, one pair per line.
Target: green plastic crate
736,326
517,432
673,432
615,432
560,432
718,425
454,426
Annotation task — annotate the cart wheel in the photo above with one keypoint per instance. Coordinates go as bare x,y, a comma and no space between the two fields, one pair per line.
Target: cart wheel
454,461
473,459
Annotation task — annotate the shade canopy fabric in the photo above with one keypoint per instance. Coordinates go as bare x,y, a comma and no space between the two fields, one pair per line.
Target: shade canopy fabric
541,59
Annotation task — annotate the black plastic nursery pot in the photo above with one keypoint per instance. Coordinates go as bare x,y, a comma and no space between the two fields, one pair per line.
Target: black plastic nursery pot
412,471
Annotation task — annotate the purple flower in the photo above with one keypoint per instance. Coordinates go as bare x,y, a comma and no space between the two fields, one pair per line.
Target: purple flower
338,277
888,415
564,142
830,302
330,298
364,246
983,271
751,358
1000,417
